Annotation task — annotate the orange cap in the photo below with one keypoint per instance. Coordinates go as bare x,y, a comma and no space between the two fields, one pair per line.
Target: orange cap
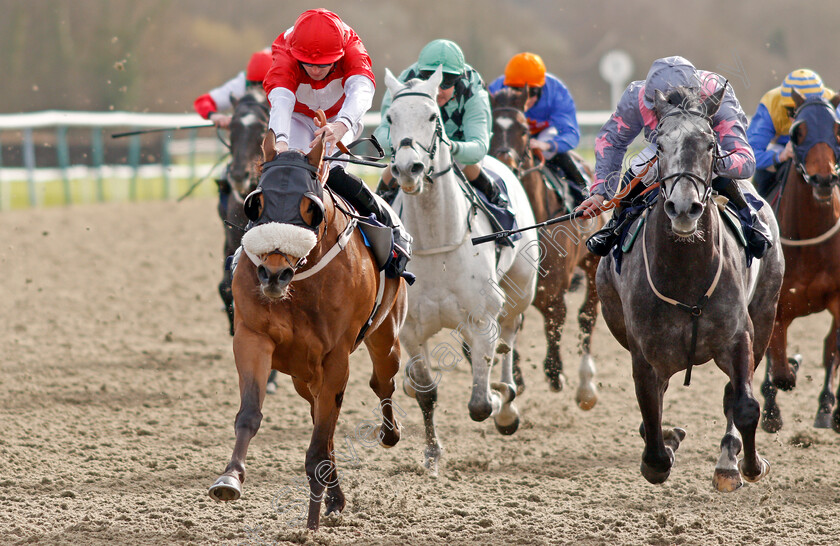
525,69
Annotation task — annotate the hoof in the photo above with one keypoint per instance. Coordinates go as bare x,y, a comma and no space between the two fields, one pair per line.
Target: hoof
765,469
771,420
432,460
727,481
388,437
226,488
823,420
507,430
658,476
587,398
557,383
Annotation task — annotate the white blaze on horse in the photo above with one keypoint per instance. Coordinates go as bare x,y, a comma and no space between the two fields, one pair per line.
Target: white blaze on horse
458,286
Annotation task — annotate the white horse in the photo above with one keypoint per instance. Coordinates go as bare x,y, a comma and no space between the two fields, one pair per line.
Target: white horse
459,286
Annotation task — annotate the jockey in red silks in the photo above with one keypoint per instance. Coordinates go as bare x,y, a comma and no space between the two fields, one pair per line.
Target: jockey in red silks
321,64
211,104
635,113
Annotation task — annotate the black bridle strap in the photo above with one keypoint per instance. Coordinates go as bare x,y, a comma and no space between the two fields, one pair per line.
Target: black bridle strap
438,136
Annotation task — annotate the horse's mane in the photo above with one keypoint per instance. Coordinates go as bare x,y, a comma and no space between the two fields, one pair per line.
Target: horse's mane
507,96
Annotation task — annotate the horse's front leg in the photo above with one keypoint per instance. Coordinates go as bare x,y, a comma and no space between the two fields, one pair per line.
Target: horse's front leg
383,345
553,308
252,353
831,357
482,334
321,470
587,393
745,408
782,371
657,457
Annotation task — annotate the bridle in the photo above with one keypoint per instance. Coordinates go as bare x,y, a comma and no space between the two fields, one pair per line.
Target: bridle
798,158
517,157
697,180
431,149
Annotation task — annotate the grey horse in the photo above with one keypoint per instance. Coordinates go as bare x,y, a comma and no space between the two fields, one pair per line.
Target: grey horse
685,294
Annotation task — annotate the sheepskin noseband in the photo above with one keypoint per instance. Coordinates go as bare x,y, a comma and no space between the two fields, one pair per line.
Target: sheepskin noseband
274,207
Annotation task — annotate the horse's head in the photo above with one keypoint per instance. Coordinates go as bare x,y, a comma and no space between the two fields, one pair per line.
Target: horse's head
511,133
416,129
287,212
247,128
815,135
686,149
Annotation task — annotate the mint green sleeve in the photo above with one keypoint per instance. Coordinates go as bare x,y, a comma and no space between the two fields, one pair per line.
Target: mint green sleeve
476,129
383,132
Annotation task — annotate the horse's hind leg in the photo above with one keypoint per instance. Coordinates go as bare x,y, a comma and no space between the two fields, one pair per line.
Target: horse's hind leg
383,344
831,353
657,457
746,409
771,415
587,392
507,419
727,477
252,353
554,311
227,297
419,379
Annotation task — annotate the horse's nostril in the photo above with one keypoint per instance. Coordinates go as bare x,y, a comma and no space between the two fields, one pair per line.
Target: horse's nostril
670,208
286,275
417,168
262,274
395,171
695,210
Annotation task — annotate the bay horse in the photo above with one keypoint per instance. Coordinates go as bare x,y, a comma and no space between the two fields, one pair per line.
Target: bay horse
808,211
247,129
562,246
458,286
307,295
692,257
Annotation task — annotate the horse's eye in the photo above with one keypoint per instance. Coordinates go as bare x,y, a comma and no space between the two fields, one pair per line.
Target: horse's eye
711,146
388,118
432,117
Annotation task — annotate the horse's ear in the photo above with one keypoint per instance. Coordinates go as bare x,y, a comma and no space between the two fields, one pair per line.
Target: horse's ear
316,154
660,103
835,100
797,98
712,103
269,151
392,83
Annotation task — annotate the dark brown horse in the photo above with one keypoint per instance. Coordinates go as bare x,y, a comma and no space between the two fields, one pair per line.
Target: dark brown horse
562,245
303,296
685,294
247,129
809,219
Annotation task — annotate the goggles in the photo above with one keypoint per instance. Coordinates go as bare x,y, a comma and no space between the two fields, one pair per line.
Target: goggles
448,81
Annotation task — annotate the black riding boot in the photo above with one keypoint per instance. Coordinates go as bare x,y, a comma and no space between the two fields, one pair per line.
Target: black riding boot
571,169
758,234
387,192
353,189
488,187
602,241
